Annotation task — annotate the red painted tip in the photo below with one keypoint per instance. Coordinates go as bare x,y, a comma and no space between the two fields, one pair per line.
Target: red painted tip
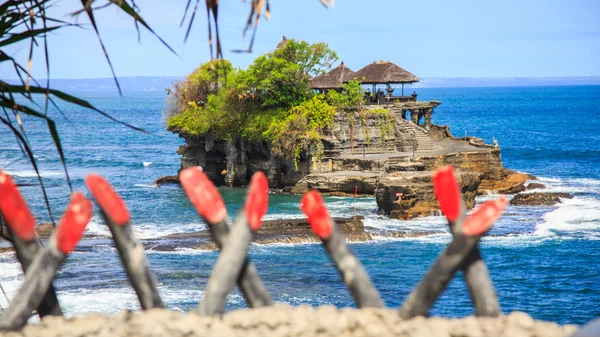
318,217
14,209
71,227
108,200
447,192
258,200
484,217
203,194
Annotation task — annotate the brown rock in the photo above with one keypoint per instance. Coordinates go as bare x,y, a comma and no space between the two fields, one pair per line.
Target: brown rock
418,198
539,199
513,182
535,186
167,180
44,229
271,231
342,181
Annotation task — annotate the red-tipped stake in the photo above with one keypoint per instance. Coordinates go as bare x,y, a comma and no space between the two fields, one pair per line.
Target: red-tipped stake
208,203
130,249
476,274
41,272
447,192
21,226
351,270
447,264
233,257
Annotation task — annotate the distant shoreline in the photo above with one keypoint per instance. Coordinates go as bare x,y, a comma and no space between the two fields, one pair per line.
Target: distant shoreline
160,83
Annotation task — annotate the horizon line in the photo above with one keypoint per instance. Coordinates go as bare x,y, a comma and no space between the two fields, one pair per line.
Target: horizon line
422,78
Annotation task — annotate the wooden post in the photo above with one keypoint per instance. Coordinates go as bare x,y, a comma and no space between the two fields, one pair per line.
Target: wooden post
351,270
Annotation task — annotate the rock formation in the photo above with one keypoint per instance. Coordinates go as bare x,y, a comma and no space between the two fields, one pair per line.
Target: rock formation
376,152
271,231
535,186
539,199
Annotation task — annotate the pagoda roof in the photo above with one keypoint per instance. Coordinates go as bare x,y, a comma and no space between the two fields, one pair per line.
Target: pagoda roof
334,78
384,73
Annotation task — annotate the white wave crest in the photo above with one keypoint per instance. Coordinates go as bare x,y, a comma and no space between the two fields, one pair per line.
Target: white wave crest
427,224
574,216
97,227
147,163
574,185
32,173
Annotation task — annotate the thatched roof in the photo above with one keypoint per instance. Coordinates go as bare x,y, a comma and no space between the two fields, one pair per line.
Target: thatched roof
282,43
384,73
333,79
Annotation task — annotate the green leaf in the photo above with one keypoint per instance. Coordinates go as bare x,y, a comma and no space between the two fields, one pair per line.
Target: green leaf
56,138
33,162
62,95
26,35
131,12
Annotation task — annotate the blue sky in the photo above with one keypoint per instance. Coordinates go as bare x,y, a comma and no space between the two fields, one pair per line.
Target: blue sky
433,38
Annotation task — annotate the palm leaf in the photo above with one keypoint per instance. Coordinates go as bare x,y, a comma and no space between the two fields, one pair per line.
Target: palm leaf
32,161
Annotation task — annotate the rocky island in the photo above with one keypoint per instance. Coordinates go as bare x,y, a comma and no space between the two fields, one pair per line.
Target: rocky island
322,130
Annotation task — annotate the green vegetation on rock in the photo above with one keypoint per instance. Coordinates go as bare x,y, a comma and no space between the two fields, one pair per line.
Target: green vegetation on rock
268,102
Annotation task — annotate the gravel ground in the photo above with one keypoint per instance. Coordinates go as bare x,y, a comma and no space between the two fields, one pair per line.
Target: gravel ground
283,320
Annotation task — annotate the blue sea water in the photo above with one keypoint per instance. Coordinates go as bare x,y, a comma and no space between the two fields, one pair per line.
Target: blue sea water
543,260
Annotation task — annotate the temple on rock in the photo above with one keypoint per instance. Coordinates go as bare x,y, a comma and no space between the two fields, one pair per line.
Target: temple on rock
387,146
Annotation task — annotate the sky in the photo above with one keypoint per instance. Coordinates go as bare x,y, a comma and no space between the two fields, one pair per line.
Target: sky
430,38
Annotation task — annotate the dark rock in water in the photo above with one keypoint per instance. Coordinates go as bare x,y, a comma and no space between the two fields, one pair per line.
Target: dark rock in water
539,199
535,186
271,231
167,180
44,229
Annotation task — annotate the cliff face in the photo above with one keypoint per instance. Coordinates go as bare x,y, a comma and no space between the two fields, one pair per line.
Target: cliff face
232,162
373,153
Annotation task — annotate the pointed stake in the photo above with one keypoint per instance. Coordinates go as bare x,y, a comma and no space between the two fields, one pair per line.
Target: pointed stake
422,298
351,270
131,251
476,274
44,266
208,203
21,223
233,257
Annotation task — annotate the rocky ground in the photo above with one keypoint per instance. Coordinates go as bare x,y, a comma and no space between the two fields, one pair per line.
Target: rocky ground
283,320
394,165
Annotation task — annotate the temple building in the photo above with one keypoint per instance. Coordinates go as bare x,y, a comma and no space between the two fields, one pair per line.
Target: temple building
388,74
332,80
381,73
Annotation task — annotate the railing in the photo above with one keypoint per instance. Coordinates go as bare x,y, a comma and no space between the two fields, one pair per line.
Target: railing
390,99
40,263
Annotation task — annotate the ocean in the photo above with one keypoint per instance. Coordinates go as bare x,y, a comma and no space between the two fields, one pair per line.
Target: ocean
543,260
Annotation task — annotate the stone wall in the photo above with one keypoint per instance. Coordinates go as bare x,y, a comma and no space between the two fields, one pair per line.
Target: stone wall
355,133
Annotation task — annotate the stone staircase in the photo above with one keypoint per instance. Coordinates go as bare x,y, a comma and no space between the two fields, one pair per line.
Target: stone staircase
424,142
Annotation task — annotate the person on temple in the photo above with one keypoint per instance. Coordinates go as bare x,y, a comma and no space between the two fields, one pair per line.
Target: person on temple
368,95
414,94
